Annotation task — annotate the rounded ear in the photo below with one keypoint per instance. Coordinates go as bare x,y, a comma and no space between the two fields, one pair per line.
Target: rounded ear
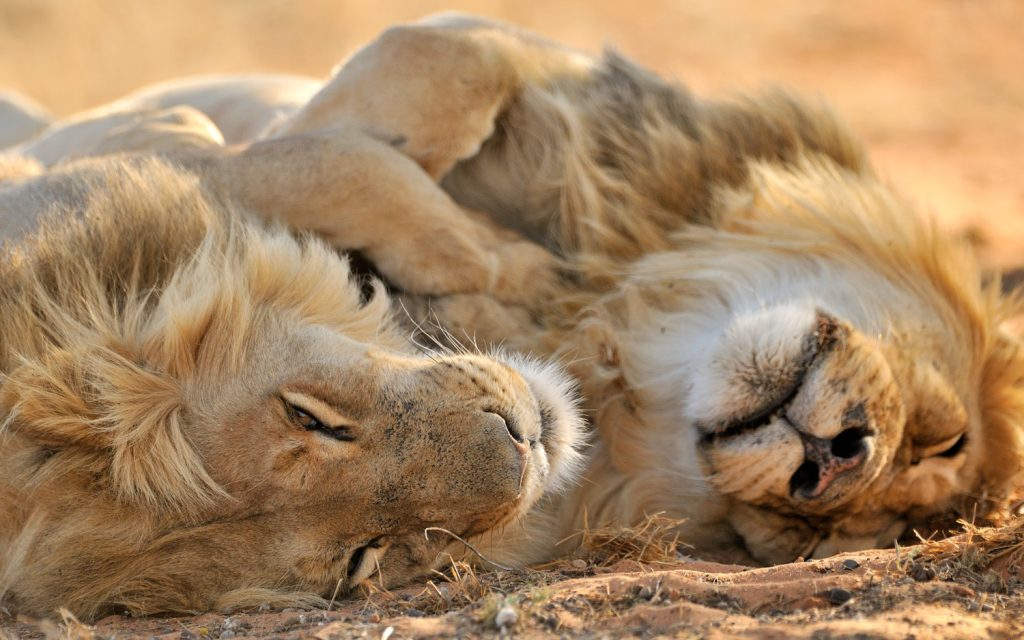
100,400
46,401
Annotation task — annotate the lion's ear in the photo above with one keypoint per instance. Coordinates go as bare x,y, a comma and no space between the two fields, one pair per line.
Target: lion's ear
104,401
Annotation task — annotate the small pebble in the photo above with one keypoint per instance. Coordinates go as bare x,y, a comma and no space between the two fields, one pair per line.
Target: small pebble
188,635
922,572
505,617
227,634
838,595
579,563
850,564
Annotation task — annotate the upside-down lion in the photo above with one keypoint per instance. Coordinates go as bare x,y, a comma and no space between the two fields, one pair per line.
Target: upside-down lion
772,344
201,412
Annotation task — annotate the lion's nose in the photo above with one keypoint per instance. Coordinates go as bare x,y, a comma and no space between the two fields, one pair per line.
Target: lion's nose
826,460
520,443
512,427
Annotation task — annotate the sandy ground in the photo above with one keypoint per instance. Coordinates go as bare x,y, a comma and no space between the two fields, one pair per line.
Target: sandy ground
968,587
934,87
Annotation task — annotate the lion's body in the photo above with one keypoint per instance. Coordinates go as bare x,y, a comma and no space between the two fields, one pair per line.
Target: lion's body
20,119
198,112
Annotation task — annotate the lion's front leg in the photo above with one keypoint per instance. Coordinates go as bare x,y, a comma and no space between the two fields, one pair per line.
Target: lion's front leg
360,194
434,89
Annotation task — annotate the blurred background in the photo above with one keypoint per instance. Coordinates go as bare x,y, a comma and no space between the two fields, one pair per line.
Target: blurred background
934,87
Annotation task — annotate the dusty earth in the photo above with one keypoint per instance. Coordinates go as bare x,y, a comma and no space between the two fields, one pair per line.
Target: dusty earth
935,89
968,586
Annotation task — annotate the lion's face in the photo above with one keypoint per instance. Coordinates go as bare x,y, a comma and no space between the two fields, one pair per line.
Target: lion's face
344,454
809,424
823,376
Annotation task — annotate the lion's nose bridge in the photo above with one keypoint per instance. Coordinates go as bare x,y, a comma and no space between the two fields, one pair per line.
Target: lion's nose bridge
459,411
480,382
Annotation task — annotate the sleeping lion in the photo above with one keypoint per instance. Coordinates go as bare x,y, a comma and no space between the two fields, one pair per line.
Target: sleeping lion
772,344
203,413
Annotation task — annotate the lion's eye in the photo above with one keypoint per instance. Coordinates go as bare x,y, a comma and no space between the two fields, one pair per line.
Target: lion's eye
948,448
310,422
954,448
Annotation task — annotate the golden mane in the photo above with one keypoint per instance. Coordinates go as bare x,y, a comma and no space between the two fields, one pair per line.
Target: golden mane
127,294
636,156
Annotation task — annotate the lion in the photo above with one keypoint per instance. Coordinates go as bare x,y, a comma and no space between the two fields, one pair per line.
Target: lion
201,412
773,345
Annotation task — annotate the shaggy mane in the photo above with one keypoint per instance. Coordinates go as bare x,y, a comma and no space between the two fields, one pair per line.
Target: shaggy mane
120,299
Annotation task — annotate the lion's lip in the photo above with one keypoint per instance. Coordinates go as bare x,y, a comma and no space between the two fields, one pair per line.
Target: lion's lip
817,344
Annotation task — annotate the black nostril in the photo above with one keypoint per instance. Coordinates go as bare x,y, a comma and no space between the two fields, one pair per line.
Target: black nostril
510,425
805,480
849,443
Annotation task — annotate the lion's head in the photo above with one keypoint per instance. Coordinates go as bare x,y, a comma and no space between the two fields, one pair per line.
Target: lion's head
819,369
202,413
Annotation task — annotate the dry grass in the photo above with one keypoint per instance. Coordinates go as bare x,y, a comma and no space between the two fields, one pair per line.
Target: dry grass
653,542
986,558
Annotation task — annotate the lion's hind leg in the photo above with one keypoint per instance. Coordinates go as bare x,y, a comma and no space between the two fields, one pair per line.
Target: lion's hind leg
434,89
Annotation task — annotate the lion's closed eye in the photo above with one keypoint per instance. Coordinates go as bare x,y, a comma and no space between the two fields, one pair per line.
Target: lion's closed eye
315,415
946,448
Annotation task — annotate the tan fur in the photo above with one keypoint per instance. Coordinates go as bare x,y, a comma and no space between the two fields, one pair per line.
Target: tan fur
348,187
156,349
243,108
735,258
